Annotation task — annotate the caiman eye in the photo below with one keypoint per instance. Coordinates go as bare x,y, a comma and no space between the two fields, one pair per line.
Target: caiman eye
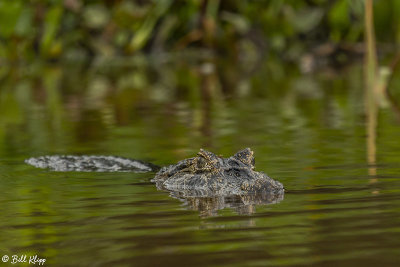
237,173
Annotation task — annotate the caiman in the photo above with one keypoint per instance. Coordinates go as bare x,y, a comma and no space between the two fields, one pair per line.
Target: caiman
204,176
212,175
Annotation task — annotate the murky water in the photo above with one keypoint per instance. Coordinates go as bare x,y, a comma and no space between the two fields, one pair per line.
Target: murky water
309,132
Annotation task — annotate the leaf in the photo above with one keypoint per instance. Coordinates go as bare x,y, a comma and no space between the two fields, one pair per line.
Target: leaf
96,16
52,23
9,14
339,14
143,34
339,18
24,25
307,19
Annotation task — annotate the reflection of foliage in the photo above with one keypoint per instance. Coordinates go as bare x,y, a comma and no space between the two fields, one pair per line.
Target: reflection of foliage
69,109
75,29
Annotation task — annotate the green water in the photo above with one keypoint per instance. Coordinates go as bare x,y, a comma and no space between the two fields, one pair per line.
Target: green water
307,131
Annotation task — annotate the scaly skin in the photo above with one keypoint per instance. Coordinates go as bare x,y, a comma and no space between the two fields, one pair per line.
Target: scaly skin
210,175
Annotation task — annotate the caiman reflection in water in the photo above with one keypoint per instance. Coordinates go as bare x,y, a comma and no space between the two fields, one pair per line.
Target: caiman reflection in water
242,204
206,182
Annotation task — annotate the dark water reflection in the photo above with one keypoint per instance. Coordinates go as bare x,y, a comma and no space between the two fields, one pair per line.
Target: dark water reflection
243,205
307,132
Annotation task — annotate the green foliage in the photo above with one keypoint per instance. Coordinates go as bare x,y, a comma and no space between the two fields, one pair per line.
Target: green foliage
143,33
49,44
10,12
80,29
339,18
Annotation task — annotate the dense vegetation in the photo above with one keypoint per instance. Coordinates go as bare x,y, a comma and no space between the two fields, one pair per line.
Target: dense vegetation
81,30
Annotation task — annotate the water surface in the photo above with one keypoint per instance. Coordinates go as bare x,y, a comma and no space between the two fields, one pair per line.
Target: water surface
307,131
